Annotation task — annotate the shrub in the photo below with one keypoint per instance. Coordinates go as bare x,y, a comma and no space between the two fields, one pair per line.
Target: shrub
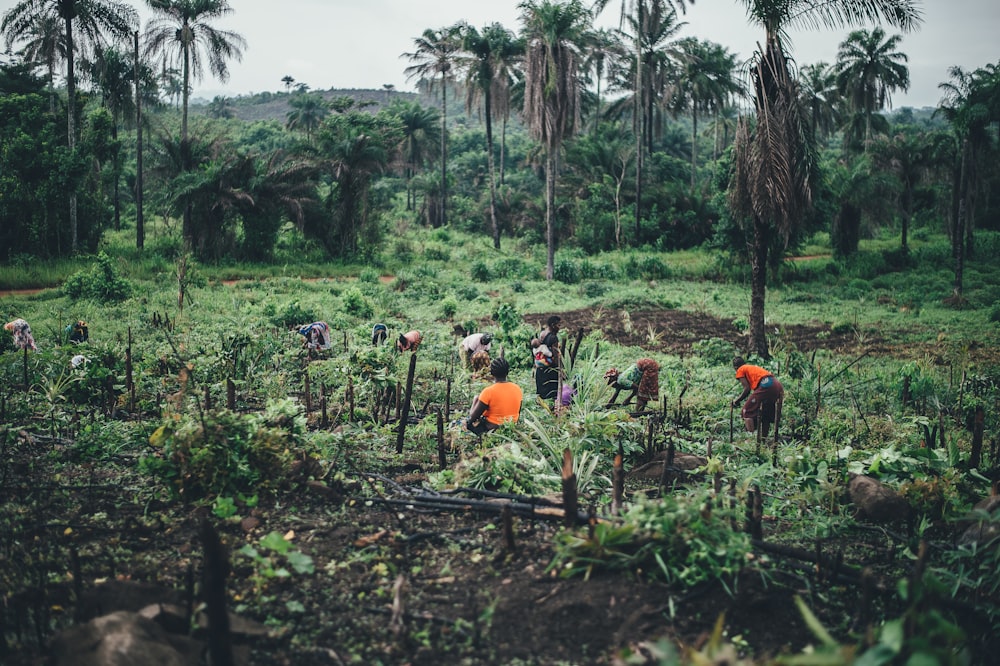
715,351
449,306
567,272
101,282
437,253
357,305
368,276
480,271
293,314
225,453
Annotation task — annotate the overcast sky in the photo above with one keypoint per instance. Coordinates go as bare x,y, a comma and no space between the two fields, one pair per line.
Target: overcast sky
358,43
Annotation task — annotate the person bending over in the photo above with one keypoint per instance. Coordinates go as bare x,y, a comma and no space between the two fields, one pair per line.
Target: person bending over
409,341
498,403
642,378
765,392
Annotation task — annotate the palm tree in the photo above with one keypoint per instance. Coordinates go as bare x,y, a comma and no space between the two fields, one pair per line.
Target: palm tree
604,47
113,73
45,43
420,131
183,30
909,156
818,94
774,166
970,106
487,59
869,69
435,55
707,83
637,13
92,19
308,111
552,33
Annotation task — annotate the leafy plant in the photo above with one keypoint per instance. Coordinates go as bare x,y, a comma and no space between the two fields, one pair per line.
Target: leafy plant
101,282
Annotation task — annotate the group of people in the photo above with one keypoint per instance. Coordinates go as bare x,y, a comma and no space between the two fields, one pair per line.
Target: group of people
77,332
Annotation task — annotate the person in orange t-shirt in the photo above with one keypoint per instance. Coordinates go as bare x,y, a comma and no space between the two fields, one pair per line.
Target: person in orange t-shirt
497,403
765,392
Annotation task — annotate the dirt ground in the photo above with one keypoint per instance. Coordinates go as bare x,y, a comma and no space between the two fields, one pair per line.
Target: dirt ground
393,583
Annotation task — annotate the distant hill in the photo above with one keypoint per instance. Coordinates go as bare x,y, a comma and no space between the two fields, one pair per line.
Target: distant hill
275,106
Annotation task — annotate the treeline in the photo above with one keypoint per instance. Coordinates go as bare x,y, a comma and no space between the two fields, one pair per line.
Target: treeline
643,162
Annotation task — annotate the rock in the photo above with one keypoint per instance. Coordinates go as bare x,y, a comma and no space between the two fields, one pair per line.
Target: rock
123,638
877,502
122,595
982,532
653,470
171,617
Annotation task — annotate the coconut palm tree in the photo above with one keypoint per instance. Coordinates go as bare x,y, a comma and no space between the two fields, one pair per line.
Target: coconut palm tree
869,70
487,59
774,167
435,55
604,47
92,20
910,156
183,31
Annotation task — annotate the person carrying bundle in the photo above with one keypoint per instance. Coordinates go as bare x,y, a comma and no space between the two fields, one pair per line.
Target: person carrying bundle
545,349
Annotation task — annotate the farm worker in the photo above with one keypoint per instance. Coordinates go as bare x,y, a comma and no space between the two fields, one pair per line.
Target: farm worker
480,362
77,361
545,349
498,403
409,341
379,334
78,332
22,334
642,378
316,335
765,392
477,342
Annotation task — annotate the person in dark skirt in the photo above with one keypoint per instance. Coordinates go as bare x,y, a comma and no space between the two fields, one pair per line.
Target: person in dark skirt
548,362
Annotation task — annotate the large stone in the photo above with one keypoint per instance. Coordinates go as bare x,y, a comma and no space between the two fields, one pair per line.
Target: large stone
876,502
123,638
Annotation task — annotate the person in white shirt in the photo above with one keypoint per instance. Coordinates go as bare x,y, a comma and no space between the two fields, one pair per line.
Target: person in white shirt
477,342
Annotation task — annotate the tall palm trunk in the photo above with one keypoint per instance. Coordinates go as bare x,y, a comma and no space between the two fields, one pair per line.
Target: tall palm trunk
489,165
639,125
140,231
694,145
758,285
71,127
188,225
444,151
958,239
550,202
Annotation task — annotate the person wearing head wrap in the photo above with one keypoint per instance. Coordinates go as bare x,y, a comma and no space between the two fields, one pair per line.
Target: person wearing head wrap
22,334
379,334
498,403
642,378
409,341
316,334
471,344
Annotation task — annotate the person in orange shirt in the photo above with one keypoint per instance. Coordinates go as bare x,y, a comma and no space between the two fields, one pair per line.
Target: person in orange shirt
765,392
498,403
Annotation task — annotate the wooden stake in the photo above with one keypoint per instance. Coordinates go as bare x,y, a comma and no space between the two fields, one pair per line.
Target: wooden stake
324,420
308,391
401,432
975,456
507,520
129,383
442,454
617,481
231,394
25,369
569,489
447,398
208,399
350,398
